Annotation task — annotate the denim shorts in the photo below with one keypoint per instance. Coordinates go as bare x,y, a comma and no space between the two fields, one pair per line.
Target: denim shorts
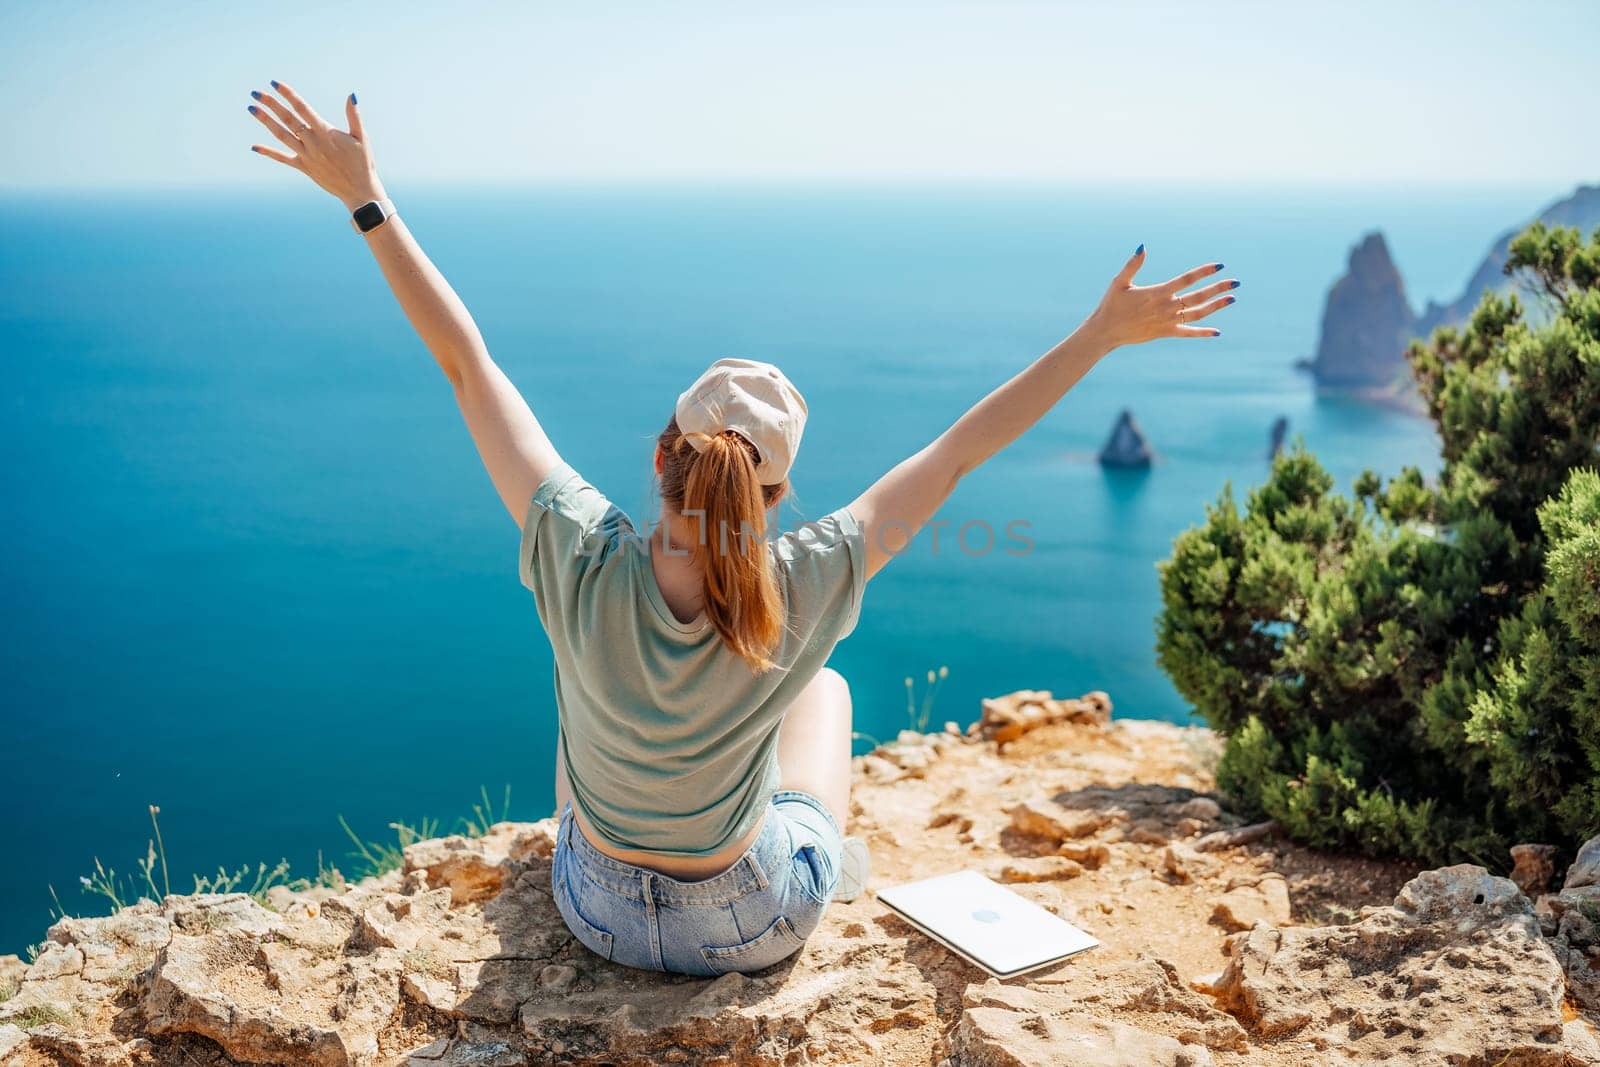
755,913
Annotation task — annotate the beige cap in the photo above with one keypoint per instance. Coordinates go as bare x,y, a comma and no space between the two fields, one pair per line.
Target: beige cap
753,399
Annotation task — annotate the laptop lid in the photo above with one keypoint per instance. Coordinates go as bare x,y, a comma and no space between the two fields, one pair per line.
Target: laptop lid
985,923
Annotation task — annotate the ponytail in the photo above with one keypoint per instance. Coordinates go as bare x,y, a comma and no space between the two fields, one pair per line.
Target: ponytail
717,485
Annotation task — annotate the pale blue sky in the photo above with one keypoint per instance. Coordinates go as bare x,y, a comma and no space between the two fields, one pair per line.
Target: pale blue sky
1344,93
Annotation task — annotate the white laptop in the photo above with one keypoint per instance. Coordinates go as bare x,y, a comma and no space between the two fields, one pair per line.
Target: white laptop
985,923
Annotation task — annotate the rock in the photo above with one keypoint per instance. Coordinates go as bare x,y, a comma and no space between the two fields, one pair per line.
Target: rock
55,961
1571,921
1156,988
1533,867
449,1053
1008,1026
1366,323
1126,448
1585,869
11,1039
1043,869
271,1002
11,971
1581,1042
1044,818
874,768
1245,904
913,759
116,946
460,958
65,1046
1184,864
206,913
1091,854
1275,437
1009,717
1243,835
1454,972
470,871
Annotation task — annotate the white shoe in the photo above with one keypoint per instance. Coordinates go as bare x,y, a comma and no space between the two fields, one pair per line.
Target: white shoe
855,867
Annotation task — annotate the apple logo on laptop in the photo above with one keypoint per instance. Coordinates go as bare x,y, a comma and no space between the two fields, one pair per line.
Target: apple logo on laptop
986,915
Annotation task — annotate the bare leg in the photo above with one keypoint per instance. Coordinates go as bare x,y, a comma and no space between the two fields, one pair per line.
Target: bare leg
814,743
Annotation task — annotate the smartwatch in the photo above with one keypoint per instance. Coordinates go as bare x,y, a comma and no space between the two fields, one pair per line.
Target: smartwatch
371,215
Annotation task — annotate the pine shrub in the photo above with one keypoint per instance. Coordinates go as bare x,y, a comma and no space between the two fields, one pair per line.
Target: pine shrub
1414,669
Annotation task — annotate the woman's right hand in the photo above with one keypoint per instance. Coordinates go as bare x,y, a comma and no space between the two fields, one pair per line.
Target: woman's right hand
1130,314
338,161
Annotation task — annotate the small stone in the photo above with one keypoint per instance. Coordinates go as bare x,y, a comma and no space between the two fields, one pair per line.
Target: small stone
1092,854
876,769
1042,869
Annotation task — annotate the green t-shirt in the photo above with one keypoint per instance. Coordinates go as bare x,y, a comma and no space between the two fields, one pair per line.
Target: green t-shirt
669,738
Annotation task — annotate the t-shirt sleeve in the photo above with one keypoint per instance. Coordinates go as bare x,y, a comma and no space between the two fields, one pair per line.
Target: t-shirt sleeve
824,564
570,530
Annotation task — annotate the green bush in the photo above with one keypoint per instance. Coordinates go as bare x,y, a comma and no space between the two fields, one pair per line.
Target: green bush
1414,669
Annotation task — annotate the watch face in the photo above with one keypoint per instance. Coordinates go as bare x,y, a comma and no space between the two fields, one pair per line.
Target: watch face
368,215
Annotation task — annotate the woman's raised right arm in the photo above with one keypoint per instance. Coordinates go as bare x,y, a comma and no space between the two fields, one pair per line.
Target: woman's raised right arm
512,444
899,503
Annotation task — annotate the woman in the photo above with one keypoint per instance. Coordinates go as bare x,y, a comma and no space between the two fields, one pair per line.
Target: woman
703,763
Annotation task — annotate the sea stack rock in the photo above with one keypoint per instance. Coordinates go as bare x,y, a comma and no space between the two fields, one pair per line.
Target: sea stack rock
1280,430
1366,323
1126,448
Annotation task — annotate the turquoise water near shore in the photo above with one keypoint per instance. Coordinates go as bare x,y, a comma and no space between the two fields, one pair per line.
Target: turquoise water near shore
253,573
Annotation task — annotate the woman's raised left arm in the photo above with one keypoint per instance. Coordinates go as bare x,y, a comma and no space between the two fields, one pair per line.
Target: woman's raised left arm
514,447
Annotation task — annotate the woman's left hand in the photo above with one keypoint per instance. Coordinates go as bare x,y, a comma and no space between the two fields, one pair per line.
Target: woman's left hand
338,161
1130,314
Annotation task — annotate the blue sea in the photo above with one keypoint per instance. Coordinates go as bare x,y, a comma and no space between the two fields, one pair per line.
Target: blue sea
253,573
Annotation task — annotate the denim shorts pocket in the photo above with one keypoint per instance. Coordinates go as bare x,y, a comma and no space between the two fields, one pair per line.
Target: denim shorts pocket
777,942
812,873
594,938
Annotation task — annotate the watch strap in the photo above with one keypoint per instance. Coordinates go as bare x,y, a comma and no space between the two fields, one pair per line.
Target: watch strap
371,215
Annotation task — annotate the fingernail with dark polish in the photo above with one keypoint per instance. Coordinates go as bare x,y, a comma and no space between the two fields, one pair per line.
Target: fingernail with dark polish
274,83
1234,285
1139,251
252,109
353,99
1216,333
255,94
1217,267
1231,299
253,148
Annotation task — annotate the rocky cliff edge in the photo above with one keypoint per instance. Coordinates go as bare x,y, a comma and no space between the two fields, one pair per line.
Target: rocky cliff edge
1221,943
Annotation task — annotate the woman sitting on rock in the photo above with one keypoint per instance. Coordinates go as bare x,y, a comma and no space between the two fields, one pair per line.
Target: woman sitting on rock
703,759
